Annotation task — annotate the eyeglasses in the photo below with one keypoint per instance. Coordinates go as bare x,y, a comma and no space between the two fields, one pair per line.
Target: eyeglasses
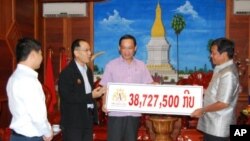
85,50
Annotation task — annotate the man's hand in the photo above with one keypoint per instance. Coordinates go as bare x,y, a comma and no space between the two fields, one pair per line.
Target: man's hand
198,113
155,83
104,108
98,92
48,138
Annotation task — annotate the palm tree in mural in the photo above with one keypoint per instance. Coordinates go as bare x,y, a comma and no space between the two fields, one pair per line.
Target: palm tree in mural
178,24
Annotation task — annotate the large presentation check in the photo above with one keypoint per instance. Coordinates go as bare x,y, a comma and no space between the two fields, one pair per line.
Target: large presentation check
155,99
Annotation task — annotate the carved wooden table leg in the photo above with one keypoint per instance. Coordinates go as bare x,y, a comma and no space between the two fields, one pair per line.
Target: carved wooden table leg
163,127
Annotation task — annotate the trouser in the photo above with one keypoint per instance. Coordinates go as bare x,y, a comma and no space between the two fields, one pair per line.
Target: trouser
208,137
70,134
123,128
18,137
80,134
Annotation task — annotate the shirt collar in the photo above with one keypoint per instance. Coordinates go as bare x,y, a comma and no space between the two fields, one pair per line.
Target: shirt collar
222,66
123,60
27,69
80,67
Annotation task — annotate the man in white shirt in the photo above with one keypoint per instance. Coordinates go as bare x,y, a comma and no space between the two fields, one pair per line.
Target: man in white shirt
26,97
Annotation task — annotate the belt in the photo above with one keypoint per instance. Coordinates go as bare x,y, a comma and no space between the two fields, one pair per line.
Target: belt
20,135
90,111
16,134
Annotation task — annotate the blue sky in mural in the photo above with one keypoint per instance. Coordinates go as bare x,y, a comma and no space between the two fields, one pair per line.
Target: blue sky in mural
204,20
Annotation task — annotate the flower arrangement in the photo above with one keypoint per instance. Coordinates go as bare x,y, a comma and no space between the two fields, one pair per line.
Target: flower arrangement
246,111
244,117
197,78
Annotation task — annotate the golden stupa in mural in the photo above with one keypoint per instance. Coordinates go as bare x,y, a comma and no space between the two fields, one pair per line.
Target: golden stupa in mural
158,51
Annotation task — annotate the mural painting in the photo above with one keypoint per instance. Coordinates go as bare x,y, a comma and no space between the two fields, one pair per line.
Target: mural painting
173,37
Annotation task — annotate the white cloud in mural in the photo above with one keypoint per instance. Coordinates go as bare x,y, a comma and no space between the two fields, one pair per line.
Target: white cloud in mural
188,9
116,22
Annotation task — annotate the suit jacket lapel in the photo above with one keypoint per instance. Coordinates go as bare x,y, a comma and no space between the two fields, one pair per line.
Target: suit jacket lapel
77,72
90,77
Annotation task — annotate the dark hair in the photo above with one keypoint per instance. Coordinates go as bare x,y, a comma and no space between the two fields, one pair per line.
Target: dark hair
75,44
127,36
25,46
224,45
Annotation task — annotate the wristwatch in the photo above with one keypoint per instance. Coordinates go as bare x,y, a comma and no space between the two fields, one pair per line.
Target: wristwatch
203,111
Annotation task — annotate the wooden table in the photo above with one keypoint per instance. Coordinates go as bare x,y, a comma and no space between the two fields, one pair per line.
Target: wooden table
163,127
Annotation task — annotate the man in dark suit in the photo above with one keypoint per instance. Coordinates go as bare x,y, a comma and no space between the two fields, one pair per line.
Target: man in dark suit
78,108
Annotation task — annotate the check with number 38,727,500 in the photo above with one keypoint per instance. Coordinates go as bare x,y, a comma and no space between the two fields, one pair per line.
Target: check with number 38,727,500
157,99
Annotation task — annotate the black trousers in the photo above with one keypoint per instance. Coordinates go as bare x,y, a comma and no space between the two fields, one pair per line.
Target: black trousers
208,137
123,128
76,134
70,134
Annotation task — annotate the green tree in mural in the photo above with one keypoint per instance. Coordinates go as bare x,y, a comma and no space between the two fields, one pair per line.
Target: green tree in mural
96,69
178,24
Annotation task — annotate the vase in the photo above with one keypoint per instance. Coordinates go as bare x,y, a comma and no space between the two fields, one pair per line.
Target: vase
162,127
